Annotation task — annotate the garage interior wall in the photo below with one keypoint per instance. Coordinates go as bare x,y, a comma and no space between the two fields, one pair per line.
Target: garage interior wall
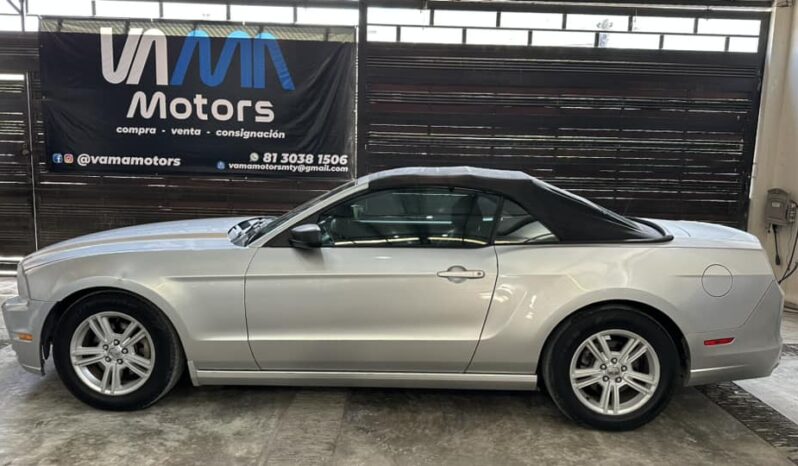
659,133
776,159
71,205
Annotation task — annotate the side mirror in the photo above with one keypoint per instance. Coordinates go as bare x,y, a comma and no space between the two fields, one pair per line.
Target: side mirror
306,236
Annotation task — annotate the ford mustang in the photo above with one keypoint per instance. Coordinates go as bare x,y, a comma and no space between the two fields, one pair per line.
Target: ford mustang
414,277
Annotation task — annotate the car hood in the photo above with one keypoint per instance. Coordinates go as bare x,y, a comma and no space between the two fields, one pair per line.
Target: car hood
182,234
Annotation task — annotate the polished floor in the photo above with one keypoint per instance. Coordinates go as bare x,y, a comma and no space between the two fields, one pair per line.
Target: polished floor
41,423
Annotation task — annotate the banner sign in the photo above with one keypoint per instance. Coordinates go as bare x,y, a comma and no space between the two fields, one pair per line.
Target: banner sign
162,98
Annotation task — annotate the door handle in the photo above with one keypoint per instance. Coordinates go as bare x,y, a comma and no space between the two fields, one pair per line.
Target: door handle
458,273
461,274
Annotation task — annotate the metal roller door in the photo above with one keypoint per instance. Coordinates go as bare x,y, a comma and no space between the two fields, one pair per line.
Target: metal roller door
660,133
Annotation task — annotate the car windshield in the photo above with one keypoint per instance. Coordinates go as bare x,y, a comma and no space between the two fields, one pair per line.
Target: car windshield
267,227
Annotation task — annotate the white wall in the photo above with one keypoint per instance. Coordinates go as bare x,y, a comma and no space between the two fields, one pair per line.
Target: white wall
776,159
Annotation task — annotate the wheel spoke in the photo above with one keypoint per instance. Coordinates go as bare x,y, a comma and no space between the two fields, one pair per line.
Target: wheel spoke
627,348
135,369
87,351
105,324
140,361
645,378
616,398
116,380
106,379
128,332
636,355
588,382
596,352
89,361
134,339
581,373
96,327
637,387
605,349
605,399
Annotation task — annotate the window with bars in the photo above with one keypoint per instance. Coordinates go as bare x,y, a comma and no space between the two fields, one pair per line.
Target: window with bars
546,29
441,26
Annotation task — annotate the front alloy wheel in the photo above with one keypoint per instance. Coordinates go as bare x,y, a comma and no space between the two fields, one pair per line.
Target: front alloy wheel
117,351
112,353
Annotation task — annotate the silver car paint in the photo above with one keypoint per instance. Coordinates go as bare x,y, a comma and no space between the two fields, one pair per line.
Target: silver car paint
196,276
367,309
539,286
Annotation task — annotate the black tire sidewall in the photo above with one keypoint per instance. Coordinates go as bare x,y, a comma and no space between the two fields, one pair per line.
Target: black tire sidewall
162,338
575,331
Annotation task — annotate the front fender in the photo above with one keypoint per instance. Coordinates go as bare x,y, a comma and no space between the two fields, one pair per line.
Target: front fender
87,284
201,292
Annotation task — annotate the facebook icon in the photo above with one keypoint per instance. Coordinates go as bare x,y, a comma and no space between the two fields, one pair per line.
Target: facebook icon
58,158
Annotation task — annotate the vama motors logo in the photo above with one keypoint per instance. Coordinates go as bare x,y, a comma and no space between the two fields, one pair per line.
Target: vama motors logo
140,43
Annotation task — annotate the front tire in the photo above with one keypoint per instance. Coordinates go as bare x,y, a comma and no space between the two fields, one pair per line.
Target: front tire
117,352
611,368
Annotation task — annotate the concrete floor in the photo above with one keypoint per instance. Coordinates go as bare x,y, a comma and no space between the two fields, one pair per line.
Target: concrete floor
779,390
8,288
41,423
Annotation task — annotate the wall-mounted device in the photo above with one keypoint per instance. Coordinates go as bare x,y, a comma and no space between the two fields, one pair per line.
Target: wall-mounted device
780,210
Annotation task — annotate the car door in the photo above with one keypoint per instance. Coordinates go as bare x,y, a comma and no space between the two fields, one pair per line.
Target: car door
402,282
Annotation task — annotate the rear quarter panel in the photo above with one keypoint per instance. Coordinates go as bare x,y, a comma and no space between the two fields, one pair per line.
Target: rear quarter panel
540,286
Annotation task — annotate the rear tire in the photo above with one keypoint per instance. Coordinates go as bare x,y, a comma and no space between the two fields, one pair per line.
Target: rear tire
611,368
116,352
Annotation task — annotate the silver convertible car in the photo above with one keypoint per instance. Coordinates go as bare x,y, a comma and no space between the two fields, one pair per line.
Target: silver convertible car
415,277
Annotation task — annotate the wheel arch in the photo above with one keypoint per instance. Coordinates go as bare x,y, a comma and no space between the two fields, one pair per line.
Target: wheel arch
659,316
63,305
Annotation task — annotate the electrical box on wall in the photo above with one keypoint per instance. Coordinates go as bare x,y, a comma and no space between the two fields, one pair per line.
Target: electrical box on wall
779,209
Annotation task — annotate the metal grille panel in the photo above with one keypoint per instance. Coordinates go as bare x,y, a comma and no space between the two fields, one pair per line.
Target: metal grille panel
652,133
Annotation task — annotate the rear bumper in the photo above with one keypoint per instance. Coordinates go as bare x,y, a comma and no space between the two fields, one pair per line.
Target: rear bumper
22,315
755,351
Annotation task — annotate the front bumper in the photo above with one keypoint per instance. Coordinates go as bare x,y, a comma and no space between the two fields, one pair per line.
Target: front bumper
23,315
755,351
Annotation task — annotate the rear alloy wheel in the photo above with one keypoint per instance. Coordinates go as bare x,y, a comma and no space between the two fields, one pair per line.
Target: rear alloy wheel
117,352
614,372
611,368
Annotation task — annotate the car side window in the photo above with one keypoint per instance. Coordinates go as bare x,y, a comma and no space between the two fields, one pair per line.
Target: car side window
411,217
517,226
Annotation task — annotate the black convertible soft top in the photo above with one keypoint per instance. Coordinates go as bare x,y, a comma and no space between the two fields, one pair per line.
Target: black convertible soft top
570,217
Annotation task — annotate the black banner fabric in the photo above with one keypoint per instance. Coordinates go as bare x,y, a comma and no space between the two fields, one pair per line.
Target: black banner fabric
242,103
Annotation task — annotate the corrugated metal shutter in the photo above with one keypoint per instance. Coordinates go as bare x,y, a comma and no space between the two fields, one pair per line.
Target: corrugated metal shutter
17,235
655,133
